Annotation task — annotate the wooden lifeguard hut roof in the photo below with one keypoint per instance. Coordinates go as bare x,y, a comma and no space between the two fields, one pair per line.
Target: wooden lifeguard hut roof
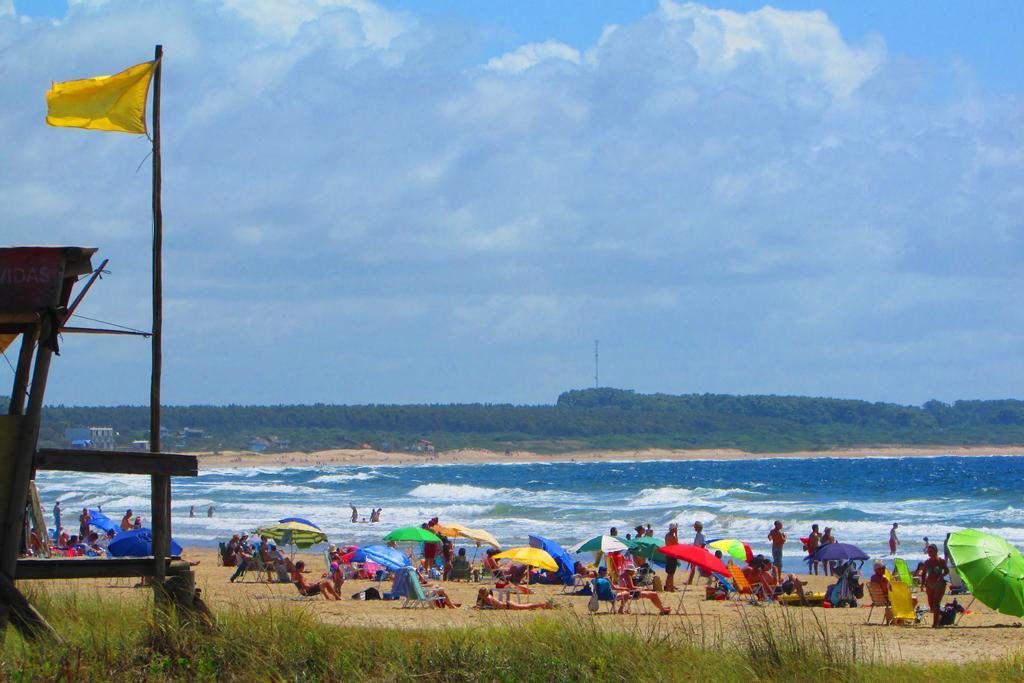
32,278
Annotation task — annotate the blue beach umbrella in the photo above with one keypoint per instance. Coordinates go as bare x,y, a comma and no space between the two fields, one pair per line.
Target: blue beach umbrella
300,520
838,552
565,563
101,521
383,555
137,543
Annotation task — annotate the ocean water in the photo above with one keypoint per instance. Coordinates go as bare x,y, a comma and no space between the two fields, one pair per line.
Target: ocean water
858,498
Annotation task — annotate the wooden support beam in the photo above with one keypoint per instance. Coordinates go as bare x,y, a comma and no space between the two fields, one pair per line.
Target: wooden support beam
117,462
21,373
23,615
80,568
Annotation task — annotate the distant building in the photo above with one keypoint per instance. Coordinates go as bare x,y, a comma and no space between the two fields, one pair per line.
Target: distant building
140,445
92,438
189,433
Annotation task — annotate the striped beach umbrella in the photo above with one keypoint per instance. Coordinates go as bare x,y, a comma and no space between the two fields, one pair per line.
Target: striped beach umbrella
293,533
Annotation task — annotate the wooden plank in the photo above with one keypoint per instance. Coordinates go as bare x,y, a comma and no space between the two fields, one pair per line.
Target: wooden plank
82,568
117,462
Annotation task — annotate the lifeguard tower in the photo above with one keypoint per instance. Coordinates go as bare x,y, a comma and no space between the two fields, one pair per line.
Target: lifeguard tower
35,303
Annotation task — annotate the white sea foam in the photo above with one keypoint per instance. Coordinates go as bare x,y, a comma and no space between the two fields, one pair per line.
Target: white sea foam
458,492
261,488
339,478
670,496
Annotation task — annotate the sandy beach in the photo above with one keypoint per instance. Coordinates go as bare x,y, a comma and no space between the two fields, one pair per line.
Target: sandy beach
981,634
472,456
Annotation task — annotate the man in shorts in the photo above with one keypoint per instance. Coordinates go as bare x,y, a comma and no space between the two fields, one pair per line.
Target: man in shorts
778,538
671,564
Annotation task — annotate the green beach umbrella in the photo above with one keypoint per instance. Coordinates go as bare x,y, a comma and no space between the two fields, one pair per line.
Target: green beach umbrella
646,547
293,533
412,534
991,568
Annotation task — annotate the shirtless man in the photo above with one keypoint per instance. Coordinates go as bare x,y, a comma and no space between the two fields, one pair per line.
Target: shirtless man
813,542
778,538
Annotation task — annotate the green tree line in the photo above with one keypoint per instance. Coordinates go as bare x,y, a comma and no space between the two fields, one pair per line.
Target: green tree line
590,418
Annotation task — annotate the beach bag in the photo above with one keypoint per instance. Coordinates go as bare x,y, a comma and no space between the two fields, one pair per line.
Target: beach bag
368,594
656,584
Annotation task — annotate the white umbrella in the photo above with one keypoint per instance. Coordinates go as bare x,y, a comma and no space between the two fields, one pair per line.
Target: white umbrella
602,543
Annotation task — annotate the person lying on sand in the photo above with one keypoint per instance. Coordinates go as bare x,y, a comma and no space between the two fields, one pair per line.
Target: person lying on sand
322,587
485,600
633,591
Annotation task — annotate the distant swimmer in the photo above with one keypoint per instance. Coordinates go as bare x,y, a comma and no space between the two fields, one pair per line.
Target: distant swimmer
209,511
355,513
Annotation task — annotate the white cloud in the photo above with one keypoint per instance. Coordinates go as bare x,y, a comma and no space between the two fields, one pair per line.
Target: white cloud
531,54
803,41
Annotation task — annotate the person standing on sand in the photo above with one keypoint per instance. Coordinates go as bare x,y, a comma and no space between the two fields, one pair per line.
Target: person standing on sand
778,538
83,523
698,540
813,543
893,539
671,563
933,575
126,521
826,538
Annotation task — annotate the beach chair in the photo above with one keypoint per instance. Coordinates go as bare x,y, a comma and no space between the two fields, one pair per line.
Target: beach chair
902,602
903,571
878,599
414,595
256,565
597,597
741,585
578,584
461,569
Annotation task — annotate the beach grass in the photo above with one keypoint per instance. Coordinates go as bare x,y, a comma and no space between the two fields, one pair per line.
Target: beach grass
108,639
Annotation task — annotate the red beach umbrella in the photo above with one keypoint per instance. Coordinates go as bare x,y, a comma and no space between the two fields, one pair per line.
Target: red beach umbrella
695,555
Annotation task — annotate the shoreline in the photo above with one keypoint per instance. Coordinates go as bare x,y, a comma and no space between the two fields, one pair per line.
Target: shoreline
472,456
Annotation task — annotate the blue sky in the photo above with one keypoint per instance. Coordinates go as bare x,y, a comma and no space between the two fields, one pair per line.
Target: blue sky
411,202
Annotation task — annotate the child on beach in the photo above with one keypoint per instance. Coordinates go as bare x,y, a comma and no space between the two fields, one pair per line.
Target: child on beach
778,538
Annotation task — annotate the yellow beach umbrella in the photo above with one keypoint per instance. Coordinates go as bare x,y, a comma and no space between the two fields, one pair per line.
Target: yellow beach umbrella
535,557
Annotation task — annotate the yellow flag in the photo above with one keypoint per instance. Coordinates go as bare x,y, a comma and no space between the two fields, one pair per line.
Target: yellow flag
116,103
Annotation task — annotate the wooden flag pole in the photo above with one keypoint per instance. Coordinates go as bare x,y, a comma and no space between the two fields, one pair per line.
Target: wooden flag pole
160,486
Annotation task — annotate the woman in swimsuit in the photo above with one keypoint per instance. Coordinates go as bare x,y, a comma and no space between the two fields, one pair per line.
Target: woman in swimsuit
322,587
635,593
485,600
933,575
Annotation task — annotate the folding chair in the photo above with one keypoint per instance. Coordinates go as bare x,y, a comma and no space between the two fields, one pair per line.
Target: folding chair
878,599
902,603
741,584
